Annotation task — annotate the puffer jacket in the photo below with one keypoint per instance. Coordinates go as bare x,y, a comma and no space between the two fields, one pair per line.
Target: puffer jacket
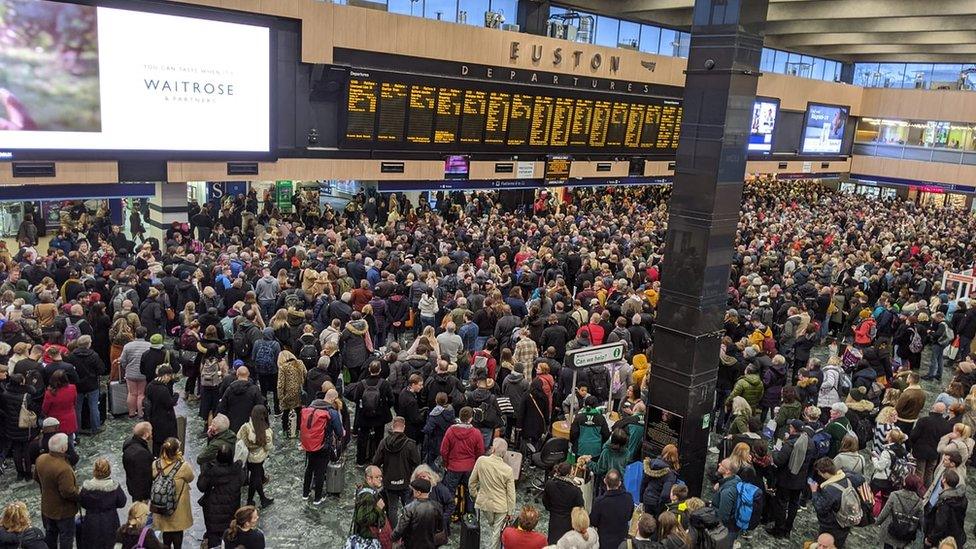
221,487
749,387
658,479
352,345
31,538
256,453
774,378
291,377
830,387
100,499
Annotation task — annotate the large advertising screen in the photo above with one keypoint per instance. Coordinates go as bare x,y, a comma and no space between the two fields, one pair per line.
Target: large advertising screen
823,129
77,77
764,113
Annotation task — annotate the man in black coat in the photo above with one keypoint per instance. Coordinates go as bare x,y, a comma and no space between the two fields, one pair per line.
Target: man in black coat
373,397
54,362
397,456
220,484
612,512
421,519
791,476
948,516
240,397
156,355
159,411
89,366
137,461
408,406
556,336
924,440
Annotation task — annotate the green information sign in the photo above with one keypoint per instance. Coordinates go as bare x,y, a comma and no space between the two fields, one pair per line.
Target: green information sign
283,193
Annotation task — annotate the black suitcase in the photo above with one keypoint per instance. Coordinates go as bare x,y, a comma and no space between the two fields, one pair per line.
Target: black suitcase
470,531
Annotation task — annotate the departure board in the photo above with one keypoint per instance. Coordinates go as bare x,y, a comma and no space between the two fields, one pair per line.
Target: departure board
413,112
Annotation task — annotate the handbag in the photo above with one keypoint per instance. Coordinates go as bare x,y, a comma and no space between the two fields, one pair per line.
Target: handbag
170,314
410,319
26,419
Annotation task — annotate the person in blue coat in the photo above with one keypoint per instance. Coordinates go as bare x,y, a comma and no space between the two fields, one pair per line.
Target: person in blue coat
612,512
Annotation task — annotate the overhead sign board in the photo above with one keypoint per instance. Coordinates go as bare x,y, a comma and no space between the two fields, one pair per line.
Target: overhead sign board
600,354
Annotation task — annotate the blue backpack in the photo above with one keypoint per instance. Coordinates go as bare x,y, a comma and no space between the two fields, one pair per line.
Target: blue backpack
821,442
748,506
266,356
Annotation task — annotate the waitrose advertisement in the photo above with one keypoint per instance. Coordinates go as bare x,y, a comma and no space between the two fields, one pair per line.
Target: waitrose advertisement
87,78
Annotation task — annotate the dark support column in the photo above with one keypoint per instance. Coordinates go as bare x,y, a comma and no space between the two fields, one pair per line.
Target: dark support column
532,16
720,88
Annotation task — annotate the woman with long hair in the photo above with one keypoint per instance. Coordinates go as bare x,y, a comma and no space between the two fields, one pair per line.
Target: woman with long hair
16,529
907,501
59,402
670,533
741,412
257,436
660,474
582,536
101,324
211,350
189,313
243,531
171,463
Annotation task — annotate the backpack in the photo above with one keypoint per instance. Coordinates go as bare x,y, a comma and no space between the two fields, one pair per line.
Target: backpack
369,403
163,498
948,337
850,513
769,347
309,355
901,468
210,372
599,382
821,443
242,344
265,357
716,537
71,331
916,344
844,383
294,301
748,505
904,523
863,429
484,415
121,294
312,428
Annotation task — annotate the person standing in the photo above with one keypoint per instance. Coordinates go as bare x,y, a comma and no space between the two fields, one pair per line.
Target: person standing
217,434
421,520
726,495
244,531
924,440
100,497
462,445
59,494
137,459
220,484
59,402
257,437
321,435
612,512
16,529
89,366
373,397
408,406
291,377
560,496
171,464
16,438
827,495
946,517
135,534
241,396
397,456
492,485
369,515
158,407
907,503
792,458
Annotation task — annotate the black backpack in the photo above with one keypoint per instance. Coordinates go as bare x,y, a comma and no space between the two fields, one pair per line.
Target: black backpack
309,355
599,382
242,344
904,523
369,403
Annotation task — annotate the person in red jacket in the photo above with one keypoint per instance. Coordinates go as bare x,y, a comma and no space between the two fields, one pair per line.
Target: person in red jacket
59,402
595,331
862,330
523,535
461,447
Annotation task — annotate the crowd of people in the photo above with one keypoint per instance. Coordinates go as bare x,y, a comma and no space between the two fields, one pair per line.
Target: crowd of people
434,337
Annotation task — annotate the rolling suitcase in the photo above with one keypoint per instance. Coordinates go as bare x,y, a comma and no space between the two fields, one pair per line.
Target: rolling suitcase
118,393
181,430
470,531
514,460
335,480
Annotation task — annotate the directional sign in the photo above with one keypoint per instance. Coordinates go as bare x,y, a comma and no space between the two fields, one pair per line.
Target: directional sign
600,354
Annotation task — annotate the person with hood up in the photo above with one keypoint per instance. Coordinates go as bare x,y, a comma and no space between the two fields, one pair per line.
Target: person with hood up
266,354
397,456
241,396
774,379
16,531
100,497
749,386
89,366
516,388
355,347
440,418
660,474
291,377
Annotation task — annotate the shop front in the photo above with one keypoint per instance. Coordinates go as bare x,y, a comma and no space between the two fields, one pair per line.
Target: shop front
55,206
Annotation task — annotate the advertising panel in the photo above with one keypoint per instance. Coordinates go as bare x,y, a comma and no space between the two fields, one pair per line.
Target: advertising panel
764,113
823,129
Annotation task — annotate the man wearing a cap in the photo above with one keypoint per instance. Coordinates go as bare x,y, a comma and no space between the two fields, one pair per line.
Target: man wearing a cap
39,445
793,458
421,520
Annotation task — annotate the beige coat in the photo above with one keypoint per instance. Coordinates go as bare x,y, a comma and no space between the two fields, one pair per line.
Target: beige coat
182,518
492,485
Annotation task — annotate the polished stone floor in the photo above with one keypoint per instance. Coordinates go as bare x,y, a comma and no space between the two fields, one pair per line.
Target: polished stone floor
293,523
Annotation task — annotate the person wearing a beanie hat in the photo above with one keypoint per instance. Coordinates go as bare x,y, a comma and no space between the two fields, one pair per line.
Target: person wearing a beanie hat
156,341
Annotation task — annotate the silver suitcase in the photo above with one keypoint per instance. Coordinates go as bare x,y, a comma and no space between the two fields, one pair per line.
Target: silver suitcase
335,480
118,393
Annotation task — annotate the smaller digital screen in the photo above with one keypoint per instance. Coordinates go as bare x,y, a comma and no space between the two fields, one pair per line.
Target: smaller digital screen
764,113
823,129
557,167
456,167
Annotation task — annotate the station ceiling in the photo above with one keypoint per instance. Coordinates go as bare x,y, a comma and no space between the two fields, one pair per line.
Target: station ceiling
849,30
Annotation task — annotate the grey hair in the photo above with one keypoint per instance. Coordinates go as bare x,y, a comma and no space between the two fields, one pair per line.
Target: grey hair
58,443
220,422
423,468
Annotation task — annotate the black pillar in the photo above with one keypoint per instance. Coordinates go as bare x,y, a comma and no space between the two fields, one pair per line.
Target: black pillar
532,16
720,88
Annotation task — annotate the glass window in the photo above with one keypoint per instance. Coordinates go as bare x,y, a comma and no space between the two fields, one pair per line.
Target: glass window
684,44
918,75
793,64
864,74
766,62
817,70
891,75
945,76
606,31
407,7
805,68
444,10
967,77
837,68
649,38
629,35
556,10
472,12
669,43
508,8
779,63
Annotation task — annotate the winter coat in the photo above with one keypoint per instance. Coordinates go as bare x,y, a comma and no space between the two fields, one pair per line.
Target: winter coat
534,418
397,456
161,413
11,400
212,448
101,500
59,488
829,387
749,387
291,377
924,438
417,524
826,500
902,501
574,540
152,317
137,460
220,485
781,458
383,415
948,517
352,346
62,406
182,517
910,403
439,420
255,453
31,538
611,517
962,446
559,497
461,447
724,500
238,400
89,366
492,485
408,406
774,379
658,479
516,387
